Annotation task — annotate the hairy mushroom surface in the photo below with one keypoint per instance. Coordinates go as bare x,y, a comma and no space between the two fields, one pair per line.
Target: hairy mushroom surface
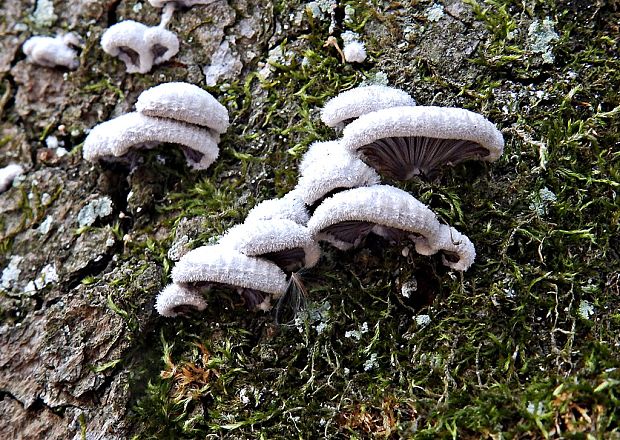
289,207
139,46
286,243
353,103
135,130
177,300
403,142
184,102
255,279
52,52
327,168
8,174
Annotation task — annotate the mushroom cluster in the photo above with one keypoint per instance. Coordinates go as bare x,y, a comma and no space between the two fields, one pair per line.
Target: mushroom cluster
254,258
339,199
140,46
175,113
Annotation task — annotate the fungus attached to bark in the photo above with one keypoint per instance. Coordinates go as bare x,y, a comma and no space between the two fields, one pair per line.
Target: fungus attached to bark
353,103
135,130
286,243
8,174
186,103
53,51
255,279
346,218
289,207
139,46
327,168
402,142
177,300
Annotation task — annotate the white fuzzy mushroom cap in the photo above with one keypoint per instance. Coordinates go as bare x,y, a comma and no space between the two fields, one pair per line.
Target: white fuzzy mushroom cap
174,296
135,130
379,204
260,237
129,40
422,121
361,100
221,264
8,174
327,166
450,241
52,52
354,52
289,207
184,102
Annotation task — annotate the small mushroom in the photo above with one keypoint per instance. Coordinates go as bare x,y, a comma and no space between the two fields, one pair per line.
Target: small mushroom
177,300
255,279
327,168
351,104
135,130
139,46
8,174
353,49
289,207
53,51
286,243
184,102
346,218
403,142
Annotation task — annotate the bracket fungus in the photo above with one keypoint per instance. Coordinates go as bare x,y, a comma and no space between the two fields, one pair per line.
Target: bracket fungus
282,241
139,46
289,207
184,102
402,142
327,168
353,103
347,217
53,51
8,174
255,279
177,300
135,130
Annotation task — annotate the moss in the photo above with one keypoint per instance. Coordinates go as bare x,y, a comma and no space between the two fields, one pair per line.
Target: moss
506,352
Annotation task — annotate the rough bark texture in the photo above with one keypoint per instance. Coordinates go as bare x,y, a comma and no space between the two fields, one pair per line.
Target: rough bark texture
79,336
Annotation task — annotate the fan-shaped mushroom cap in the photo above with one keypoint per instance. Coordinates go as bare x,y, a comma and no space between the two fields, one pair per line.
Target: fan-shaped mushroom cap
138,45
8,174
135,130
184,102
406,141
52,52
175,299
457,250
327,167
361,100
282,241
363,208
289,207
221,264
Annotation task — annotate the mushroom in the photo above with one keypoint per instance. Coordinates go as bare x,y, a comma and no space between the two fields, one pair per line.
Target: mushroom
8,174
186,103
289,207
353,103
327,168
139,46
53,51
353,50
177,300
403,142
135,130
255,279
170,6
346,218
286,243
